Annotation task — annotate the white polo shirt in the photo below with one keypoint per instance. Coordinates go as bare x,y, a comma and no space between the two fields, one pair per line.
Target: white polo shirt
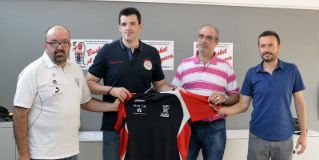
54,95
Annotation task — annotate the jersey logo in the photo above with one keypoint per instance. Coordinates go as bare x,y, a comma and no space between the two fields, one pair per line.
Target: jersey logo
77,81
165,111
139,100
147,64
57,89
55,86
139,109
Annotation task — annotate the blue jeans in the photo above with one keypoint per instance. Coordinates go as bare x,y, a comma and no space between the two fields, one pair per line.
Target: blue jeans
211,138
111,145
75,157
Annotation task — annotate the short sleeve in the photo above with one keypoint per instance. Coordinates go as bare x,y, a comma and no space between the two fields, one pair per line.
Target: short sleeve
298,85
26,88
98,67
86,94
158,72
177,80
246,87
232,87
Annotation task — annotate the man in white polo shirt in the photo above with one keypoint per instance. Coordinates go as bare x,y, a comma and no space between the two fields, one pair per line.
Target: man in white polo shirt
47,102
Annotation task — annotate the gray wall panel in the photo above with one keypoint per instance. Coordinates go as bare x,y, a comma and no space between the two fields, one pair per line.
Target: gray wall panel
24,23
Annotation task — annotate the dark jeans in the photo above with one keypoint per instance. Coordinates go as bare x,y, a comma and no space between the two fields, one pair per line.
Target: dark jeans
211,138
111,145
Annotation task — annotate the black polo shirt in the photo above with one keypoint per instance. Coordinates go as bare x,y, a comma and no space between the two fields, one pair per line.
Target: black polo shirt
114,65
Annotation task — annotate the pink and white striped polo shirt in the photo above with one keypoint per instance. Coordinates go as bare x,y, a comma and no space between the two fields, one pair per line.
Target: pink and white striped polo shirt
205,79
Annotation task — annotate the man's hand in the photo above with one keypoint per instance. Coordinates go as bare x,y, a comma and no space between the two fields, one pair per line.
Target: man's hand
216,98
180,89
116,104
120,92
221,111
216,108
302,141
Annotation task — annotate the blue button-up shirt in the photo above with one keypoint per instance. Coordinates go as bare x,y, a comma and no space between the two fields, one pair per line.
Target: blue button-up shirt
271,118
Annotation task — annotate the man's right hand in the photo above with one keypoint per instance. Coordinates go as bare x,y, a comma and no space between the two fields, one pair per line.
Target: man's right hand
120,92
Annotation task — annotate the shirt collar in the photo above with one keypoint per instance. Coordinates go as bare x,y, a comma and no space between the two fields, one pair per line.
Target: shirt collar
123,47
261,69
46,59
280,64
212,61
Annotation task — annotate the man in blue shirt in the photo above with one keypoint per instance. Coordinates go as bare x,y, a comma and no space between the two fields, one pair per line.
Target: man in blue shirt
271,85
126,65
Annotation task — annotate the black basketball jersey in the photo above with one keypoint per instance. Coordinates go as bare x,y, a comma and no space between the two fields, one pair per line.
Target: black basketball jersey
155,126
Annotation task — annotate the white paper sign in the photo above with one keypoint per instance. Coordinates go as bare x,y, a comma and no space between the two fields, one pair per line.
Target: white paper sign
166,52
83,51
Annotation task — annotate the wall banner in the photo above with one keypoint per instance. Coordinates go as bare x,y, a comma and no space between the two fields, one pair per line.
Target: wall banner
83,51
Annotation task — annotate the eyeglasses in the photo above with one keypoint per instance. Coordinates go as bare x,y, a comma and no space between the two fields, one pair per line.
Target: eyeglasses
56,44
210,38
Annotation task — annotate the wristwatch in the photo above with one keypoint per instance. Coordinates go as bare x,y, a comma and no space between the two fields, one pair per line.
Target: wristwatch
226,97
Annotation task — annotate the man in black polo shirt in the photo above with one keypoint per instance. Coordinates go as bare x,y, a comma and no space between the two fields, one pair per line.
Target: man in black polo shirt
126,65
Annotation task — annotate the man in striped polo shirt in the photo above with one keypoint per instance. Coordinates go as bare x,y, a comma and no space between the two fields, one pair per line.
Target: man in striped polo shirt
208,75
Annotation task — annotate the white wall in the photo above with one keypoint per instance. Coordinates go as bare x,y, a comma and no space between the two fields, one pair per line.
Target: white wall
295,4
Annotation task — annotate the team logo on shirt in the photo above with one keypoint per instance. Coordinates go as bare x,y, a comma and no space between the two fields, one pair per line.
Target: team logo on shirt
139,109
57,90
165,111
55,85
139,100
147,64
77,81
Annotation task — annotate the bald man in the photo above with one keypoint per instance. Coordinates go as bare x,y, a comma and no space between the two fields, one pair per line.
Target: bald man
49,94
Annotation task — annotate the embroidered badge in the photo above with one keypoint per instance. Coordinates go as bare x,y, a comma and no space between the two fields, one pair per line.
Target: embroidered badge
139,109
147,64
165,111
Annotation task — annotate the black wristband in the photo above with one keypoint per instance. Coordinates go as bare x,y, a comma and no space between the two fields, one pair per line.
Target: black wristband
108,92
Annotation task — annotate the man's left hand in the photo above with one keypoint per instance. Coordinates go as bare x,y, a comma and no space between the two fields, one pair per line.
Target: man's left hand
180,89
216,98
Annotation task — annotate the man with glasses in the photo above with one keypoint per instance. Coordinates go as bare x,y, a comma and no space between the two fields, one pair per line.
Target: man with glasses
206,74
47,102
126,65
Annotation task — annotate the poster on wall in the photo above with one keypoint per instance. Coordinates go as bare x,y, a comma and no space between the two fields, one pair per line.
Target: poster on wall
166,52
223,50
83,51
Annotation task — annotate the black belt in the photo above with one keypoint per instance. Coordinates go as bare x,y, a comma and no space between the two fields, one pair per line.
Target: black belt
197,123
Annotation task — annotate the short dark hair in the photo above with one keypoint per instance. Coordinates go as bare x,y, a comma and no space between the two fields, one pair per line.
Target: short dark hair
269,33
130,11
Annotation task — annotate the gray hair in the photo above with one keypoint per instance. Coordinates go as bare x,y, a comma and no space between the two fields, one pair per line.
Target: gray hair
209,25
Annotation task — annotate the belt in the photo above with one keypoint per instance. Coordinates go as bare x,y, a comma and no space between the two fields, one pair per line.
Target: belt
197,123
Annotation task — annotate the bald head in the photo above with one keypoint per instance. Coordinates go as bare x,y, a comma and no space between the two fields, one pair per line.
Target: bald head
54,29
